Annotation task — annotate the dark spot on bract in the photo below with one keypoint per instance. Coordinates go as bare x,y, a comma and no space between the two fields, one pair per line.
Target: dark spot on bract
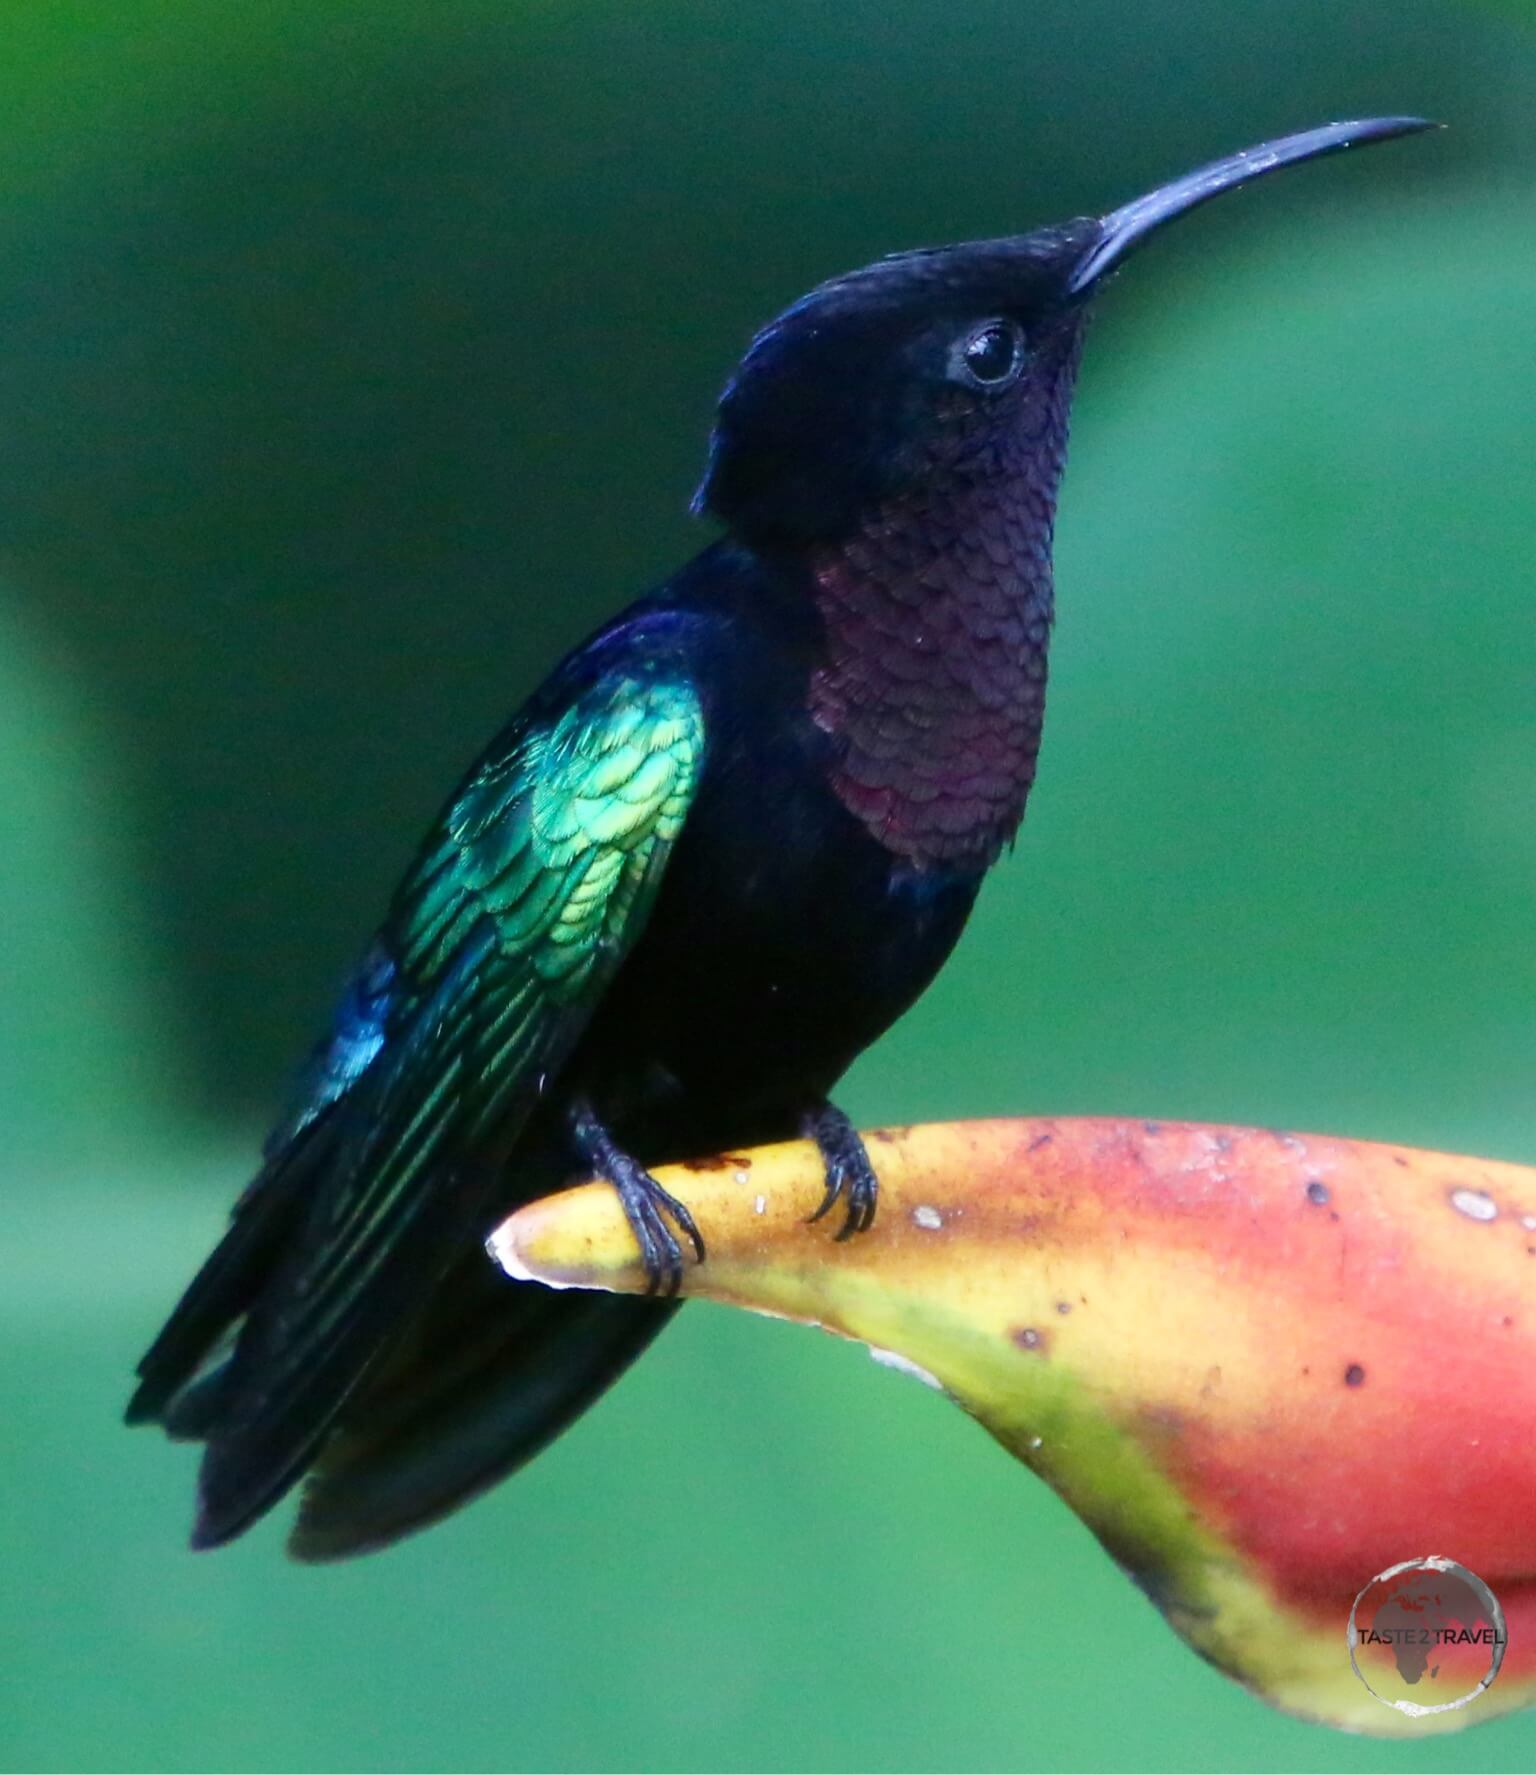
1223,1143
1039,1141
1354,1375
1063,1306
1164,1421
719,1162
1027,1338
1317,1193
1151,1127
1506,1321
884,1135
1398,1159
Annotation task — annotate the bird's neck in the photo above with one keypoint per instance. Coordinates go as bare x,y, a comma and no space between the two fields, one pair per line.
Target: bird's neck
931,679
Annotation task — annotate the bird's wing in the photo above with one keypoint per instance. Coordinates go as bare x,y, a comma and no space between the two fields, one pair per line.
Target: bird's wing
185,1374
535,884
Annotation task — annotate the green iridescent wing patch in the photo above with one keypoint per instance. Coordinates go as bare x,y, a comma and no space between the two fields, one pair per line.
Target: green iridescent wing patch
536,882
559,842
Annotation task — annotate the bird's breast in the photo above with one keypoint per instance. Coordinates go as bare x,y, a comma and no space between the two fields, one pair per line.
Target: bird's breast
785,938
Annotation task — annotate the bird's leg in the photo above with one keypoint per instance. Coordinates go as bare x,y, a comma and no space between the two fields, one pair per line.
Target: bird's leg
647,1206
850,1176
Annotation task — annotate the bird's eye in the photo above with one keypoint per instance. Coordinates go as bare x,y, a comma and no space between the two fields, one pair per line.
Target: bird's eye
991,357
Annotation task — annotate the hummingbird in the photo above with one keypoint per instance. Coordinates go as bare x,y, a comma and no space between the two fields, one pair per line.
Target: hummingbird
730,839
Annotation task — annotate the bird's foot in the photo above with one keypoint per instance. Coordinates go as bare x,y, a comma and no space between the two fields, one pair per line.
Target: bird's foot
650,1210
850,1176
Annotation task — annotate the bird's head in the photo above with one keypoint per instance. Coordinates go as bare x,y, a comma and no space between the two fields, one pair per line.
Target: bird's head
950,362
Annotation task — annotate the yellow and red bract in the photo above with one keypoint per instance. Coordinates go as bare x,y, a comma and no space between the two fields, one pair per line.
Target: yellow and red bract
1261,1366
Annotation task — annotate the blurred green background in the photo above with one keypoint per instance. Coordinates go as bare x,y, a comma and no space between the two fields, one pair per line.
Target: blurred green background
353,360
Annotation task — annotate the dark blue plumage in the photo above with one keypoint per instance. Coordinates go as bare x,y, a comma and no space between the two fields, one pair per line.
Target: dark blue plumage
726,844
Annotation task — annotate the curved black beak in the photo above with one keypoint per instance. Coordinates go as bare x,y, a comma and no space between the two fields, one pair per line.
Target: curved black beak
1124,229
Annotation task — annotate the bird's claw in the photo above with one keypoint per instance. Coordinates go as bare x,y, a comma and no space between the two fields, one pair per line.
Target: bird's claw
647,1206
850,1175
